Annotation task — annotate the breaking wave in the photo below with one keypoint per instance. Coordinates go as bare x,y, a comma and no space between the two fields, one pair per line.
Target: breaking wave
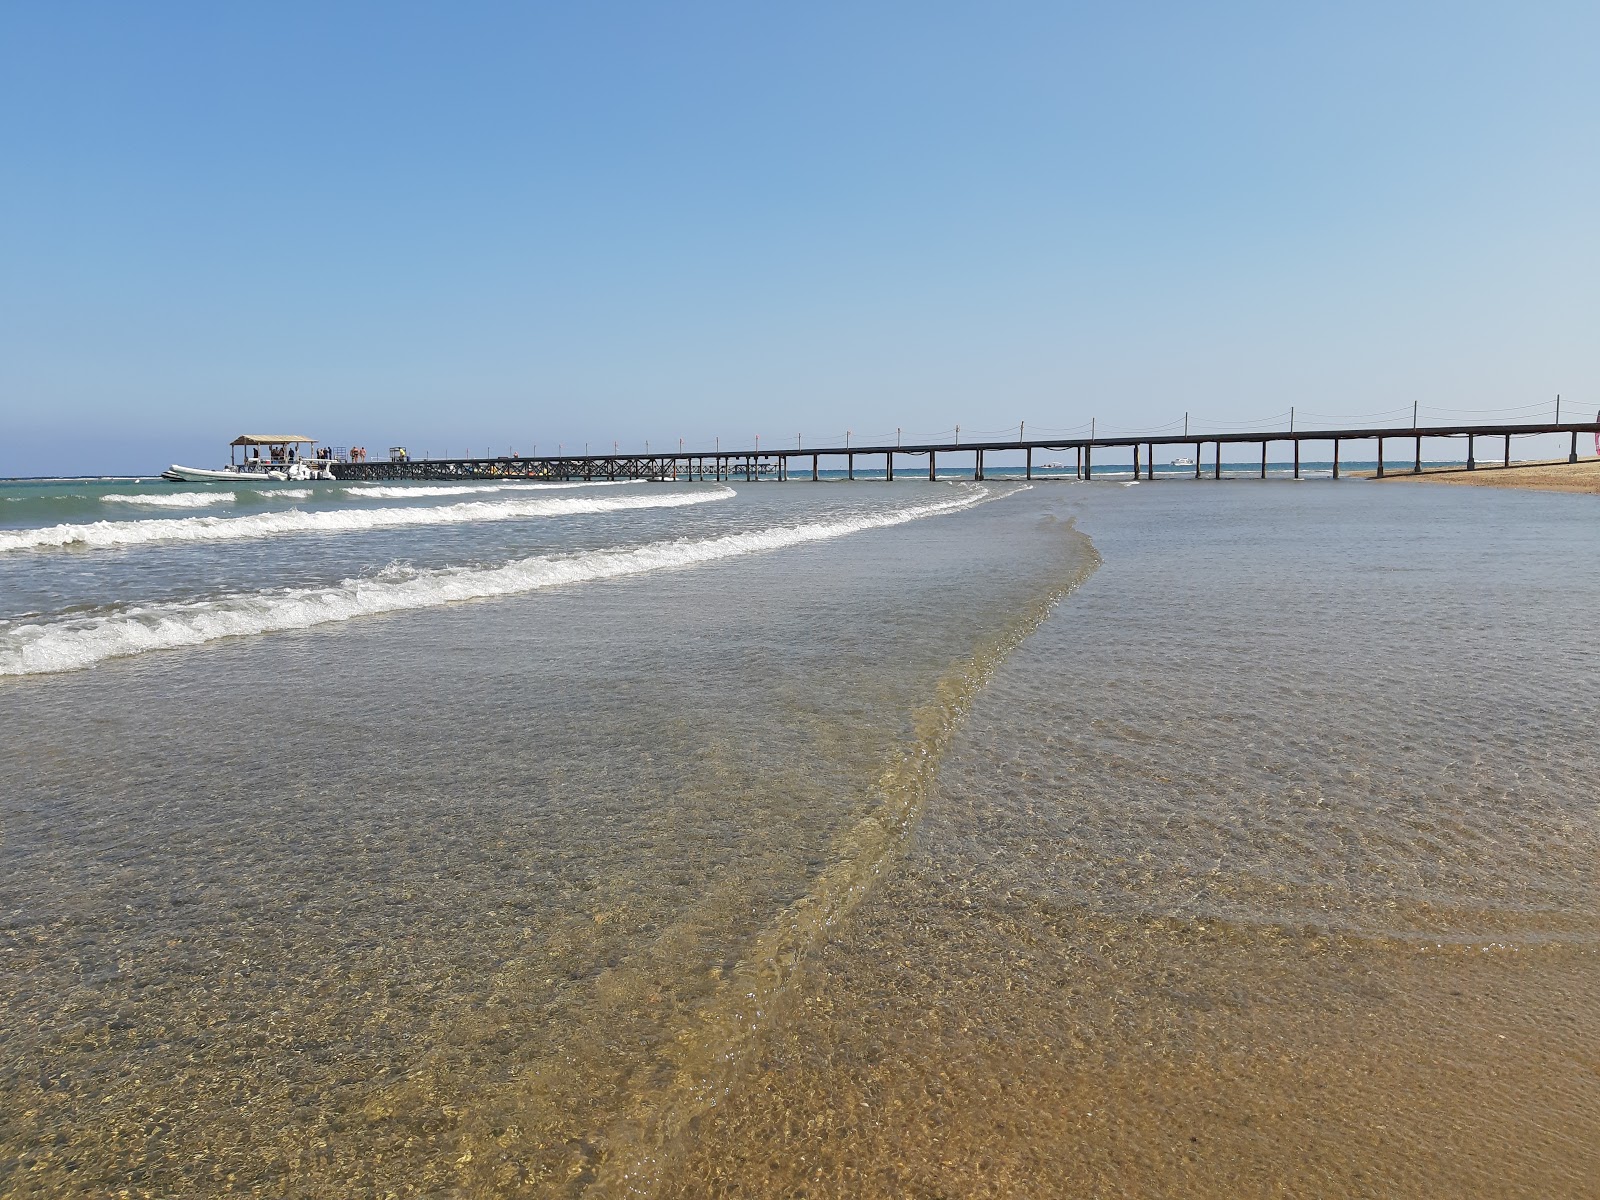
70,644
170,499
385,491
101,534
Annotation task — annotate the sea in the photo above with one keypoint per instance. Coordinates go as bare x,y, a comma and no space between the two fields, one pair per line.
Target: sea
951,838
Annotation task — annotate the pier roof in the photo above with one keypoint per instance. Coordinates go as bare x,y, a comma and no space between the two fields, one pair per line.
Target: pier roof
268,439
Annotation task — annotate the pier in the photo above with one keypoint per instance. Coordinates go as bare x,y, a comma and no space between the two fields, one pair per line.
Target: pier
802,461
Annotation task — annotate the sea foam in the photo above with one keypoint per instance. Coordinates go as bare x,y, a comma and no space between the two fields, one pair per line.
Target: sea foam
383,491
73,643
100,534
170,499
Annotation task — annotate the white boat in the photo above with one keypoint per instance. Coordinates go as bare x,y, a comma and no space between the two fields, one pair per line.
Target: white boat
282,463
1183,462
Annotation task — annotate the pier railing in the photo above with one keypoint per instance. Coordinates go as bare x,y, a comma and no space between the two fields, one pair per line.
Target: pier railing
755,463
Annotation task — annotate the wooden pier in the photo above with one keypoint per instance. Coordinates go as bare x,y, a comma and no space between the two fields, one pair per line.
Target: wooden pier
751,465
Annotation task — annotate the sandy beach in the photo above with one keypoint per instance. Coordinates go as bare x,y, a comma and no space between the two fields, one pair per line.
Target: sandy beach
1557,475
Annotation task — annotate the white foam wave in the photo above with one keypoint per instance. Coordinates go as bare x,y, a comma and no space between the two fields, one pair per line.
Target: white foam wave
170,499
379,491
82,642
384,491
100,534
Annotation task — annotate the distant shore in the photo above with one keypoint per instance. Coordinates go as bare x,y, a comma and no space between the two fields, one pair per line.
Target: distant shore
1556,475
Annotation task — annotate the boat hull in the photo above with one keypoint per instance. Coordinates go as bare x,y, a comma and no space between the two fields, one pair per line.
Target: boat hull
300,472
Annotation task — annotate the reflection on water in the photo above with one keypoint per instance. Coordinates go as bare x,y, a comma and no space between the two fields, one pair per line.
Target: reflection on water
1264,865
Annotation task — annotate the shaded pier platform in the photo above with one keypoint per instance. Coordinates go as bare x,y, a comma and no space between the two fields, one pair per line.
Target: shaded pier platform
755,464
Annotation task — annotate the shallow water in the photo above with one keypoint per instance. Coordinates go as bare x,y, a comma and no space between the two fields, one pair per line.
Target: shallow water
915,859
1267,866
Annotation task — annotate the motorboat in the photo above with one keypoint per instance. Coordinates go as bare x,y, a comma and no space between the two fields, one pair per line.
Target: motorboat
283,462
1183,462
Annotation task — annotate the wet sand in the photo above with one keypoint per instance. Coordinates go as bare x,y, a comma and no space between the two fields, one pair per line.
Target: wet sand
1555,476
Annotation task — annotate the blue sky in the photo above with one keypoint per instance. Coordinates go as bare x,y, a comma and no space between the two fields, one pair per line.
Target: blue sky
500,225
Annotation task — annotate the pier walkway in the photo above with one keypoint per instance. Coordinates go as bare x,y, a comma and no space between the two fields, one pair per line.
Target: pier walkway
753,464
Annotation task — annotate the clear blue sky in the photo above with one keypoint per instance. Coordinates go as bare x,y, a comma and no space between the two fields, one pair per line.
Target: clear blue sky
493,225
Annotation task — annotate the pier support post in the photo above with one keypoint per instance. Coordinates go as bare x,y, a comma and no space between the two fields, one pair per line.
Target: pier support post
1263,460
814,475
1472,459
977,465
1150,465
1336,458
1297,458
850,465
1417,467
1078,466
1219,459
1573,457
1088,462
1508,449
1030,462
888,467
1380,458
1198,446
1136,460
931,457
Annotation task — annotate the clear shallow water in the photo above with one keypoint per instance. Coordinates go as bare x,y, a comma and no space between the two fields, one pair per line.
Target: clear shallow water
840,863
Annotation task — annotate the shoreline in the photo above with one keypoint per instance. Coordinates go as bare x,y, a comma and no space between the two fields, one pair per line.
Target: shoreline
1552,475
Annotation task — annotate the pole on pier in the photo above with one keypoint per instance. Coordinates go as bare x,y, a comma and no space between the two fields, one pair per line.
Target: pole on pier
1263,458
1336,458
1136,460
1380,458
931,457
1508,449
